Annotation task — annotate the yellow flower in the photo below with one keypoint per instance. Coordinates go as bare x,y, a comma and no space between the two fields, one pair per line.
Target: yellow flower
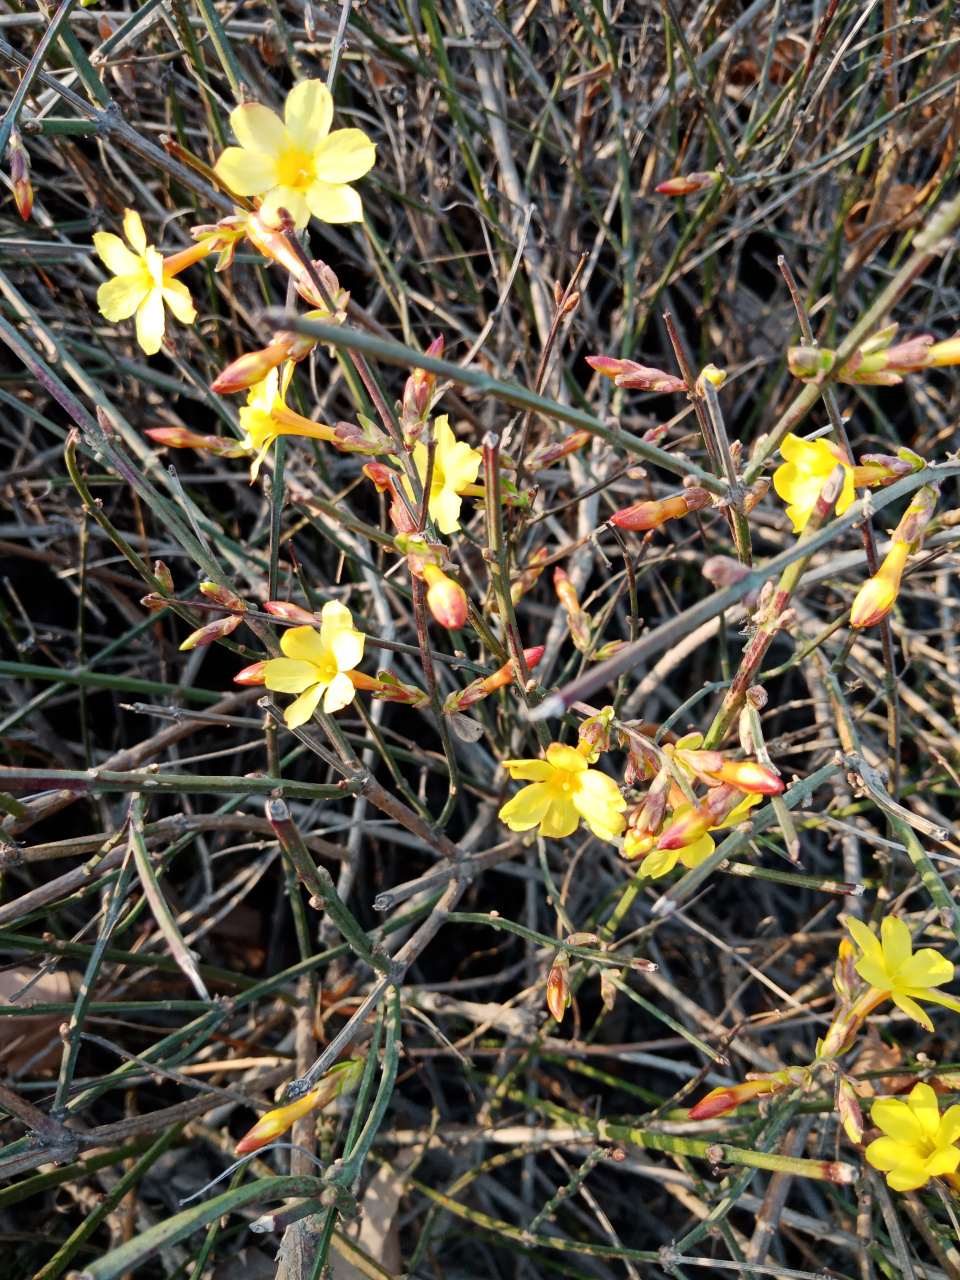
141,284
892,969
276,1122
297,163
455,467
315,664
662,861
802,476
919,1142
265,416
564,790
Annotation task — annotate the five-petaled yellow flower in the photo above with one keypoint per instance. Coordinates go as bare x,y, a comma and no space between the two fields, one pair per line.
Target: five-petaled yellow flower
315,664
803,474
564,790
265,416
455,467
296,163
893,970
142,284
919,1142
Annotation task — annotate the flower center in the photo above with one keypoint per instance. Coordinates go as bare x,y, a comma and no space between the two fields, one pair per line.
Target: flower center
296,169
564,781
326,669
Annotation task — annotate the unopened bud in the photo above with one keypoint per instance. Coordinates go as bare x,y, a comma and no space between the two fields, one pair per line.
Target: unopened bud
292,612
181,438
558,986
687,184
252,367
876,597
650,515
163,575
446,599
710,373
545,455
20,174
638,377
724,571
223,595
212,631
253,675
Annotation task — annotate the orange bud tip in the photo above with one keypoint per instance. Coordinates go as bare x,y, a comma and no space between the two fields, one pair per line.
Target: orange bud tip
251,675
748,776
687,184
446,599
717,1103
293,612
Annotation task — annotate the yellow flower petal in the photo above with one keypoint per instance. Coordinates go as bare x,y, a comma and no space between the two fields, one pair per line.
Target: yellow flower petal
177,297
345,156
444,508
300,712
906,1177
896,943
119,298
691,855
248,173
943,1160
659,862
289,675
115,255
332,202
887,1153
347,648
340,693
865,938
308,113
530,770
923,1103
150,322
528,807
949,1130
911,1009
565,757
304,644
561,819
291,199
896,1120
133,230
257,128
461,466
926,968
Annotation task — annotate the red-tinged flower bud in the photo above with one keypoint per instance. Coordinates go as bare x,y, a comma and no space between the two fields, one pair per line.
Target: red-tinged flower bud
944,353
724,571
908,357
383,477
212,631
558,986
846,981
446,599
163,575
638,377
154,601
720,1102
505,673
608,650
253,675
565,590
876,597
851,1117
650,515
594,734
249,369
394,690
292,612
528,574
687,828
181,438
223,595
748,776
809,364
917,516
423,377
546,455
687,184
20,174
273,244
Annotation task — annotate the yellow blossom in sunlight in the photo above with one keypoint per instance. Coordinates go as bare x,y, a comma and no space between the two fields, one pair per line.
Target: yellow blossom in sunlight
315,664
918,1142
455,467
662,861
564,790
296,163
140,285
265,416
801,477
895,971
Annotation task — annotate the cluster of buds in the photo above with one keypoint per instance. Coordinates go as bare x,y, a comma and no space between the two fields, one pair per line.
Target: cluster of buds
545,455
876,363
689,183
20,174
690,824
720,1102
417,396
388,480
159,599
636,377
558,979
479,689
646,821
227,599
650,515
594,734
643,760
577,620
876,597
181,438
365,438
339,1079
